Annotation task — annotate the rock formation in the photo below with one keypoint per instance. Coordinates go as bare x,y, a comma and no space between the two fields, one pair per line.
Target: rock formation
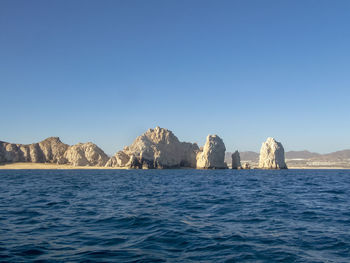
85,154
236,160
52,150
246,166
156,148
272,155
213,154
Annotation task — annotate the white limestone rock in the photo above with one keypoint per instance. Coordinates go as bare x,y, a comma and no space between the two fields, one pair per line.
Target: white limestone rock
236,160
213,154
120,159
53,150
50,150
156,148
10,152
272,155
85,154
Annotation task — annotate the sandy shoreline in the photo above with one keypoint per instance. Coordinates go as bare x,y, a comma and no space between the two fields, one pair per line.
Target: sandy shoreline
51,166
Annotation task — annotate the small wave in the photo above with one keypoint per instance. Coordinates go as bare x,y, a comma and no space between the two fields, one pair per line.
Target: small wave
175,215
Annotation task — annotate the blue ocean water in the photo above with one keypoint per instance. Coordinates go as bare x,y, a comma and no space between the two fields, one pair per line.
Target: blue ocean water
175,216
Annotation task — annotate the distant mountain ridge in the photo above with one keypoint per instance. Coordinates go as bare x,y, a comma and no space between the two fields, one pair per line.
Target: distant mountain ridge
301,155
343,155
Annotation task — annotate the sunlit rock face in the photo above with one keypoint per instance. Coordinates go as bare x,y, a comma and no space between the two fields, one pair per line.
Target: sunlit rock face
236,160
272,155
52,150
120,159
85,154
213,154
10,152
156,148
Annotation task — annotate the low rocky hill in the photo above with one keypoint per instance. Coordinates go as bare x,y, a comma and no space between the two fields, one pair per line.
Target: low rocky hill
52,150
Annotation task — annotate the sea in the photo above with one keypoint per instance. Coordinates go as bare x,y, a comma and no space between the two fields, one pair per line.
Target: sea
174,215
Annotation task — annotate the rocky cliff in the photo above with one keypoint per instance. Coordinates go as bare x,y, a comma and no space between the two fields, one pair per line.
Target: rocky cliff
52,150
236,160
156,148
86,154
272,155
213,154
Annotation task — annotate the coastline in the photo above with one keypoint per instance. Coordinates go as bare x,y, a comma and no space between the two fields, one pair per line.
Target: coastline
52,166
318,168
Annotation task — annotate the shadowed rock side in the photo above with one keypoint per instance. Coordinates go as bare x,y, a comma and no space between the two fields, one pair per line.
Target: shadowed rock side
236,160
156,148
213,154
52,150
272,155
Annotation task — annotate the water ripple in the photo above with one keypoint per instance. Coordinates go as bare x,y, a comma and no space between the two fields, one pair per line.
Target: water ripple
175,216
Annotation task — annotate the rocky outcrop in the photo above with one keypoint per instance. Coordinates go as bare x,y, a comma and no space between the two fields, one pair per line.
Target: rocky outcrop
272,155
10,152
212,156
156,148
120,159
85,154
236,160
246,166
52,150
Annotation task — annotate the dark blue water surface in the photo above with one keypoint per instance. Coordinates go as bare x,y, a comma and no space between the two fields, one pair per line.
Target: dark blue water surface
175,216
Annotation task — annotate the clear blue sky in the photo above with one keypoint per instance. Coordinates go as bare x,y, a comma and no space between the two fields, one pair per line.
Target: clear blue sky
106,71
